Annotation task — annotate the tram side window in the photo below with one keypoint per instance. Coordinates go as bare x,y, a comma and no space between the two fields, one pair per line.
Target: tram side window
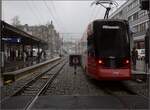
91,51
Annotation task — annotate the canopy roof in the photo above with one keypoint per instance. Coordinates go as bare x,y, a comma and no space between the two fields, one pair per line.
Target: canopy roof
8,30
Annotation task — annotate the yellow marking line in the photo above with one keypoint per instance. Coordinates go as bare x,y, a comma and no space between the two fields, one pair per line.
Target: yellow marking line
45,77
24,76
8,81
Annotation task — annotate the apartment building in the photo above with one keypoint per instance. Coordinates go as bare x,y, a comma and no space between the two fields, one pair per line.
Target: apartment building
138,20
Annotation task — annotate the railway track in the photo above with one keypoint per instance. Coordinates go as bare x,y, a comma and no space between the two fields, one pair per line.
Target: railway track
37,83
43,86
12,88
48,79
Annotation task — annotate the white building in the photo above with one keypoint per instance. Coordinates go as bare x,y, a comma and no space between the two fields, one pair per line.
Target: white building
138,20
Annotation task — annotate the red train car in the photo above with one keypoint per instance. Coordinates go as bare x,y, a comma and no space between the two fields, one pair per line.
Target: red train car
105,49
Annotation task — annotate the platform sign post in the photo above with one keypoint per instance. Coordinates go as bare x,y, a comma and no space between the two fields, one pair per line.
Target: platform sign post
75,61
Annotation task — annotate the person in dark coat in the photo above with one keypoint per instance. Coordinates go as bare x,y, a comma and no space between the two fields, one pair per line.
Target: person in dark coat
134,57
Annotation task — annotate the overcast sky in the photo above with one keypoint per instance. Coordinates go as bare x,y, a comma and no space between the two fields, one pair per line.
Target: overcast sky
70,17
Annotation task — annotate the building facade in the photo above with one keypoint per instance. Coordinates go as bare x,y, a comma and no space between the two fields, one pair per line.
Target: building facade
138,20
48,34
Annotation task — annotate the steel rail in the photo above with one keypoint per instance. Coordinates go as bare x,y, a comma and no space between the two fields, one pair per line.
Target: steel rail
44,88
31,81
35,79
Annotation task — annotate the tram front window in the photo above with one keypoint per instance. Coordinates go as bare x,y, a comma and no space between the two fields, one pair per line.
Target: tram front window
112,41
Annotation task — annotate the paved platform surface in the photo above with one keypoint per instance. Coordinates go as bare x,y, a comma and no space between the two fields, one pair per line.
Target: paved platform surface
90,102
140,67
78,102
16,103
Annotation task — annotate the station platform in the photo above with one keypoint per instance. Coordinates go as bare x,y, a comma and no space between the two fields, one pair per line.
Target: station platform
141,66
16,65
19,64
23,68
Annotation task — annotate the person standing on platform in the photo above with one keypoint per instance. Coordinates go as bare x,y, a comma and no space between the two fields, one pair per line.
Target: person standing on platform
134,57
24,56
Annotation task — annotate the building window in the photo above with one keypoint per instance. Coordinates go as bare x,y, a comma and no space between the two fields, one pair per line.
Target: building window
138,28
120,13
143,27
130,18
135,29
141,45
142,13
135,16
135,3
130,6
147,25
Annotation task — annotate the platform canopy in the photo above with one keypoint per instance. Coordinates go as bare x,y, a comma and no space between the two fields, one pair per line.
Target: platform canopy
10,32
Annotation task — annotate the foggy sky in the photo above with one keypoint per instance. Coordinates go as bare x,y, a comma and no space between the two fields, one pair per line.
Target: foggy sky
69,17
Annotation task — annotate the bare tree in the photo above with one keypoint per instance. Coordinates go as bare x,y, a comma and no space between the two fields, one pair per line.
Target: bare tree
15,21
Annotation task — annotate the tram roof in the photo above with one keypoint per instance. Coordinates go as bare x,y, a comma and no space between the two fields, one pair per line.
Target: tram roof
104,20
11,31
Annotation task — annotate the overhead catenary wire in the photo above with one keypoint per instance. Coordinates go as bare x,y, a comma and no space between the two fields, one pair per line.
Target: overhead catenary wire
33,12
92,13
58,17
107,4
71,35
38,11
51,14
97,13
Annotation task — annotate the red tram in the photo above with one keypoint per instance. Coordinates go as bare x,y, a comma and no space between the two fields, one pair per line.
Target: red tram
105,49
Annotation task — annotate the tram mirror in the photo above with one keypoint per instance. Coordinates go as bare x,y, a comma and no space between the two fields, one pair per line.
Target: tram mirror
75,60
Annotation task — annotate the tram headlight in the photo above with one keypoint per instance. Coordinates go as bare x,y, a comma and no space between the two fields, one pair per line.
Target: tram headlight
127,61
100,61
